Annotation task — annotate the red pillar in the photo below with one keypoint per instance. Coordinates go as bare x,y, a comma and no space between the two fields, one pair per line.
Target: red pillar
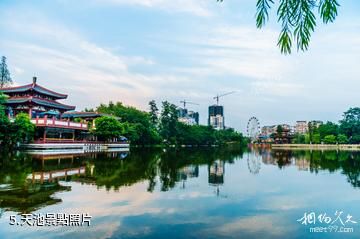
30,112
44,138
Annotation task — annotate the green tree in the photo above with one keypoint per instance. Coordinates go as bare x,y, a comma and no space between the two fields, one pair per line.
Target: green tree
330,139
350,124
5,78
313,129
24,128
137,126
279,130
154,111
168,121
299,139
297,18
328,129
139,129
342,139
108,128
4,120
316,139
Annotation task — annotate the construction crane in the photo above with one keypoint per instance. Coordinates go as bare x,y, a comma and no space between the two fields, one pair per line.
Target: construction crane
187,102
218,96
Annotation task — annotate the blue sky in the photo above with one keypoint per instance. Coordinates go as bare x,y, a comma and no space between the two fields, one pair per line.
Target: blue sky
137,50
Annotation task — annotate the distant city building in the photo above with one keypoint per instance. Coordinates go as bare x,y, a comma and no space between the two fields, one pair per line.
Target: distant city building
182,112
188,117
301,127
268,130
270,134
316,123
216,117
195,116
285,127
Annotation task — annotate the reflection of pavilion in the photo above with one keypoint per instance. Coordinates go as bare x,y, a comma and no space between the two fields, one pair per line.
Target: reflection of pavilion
38,153
61,165
55,174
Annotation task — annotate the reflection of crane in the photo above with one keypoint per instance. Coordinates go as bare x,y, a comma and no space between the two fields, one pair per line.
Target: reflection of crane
218,96
187,102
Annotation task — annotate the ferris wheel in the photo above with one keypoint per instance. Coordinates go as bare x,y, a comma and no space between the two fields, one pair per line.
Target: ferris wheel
253,129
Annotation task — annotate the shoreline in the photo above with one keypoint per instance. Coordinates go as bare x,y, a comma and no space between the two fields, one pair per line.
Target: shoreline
344,147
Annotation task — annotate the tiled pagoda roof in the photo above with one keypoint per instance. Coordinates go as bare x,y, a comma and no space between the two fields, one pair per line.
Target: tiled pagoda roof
39,101
76,114
35,87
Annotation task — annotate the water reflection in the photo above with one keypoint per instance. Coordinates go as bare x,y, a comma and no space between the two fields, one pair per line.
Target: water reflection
229,187
348,163
29,181
188,172
254,162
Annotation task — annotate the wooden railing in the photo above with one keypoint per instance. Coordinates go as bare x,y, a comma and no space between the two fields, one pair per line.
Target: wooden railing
73,141
53,122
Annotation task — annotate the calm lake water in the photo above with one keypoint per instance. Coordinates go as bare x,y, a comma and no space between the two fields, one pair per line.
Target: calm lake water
188,193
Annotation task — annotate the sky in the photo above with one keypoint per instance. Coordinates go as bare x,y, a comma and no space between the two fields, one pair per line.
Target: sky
134,51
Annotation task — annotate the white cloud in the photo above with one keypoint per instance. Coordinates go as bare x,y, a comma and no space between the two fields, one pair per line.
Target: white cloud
194,61
269,224
67,62
195,7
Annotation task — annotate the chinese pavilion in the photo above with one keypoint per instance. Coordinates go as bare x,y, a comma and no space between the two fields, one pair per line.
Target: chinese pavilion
45,112
34,99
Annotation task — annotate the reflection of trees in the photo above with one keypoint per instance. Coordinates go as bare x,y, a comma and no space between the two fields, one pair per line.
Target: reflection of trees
173,161
23,193
109,172
17,193
153,165
30,197
315,161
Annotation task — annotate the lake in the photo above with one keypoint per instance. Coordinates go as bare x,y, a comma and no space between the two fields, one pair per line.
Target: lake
187,193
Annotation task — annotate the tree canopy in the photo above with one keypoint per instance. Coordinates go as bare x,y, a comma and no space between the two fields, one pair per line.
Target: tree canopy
5,78
297,19
350,124
149,128
24,128
20,130
108,128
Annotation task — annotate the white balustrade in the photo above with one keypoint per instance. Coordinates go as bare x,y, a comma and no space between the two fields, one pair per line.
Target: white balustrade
61,123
